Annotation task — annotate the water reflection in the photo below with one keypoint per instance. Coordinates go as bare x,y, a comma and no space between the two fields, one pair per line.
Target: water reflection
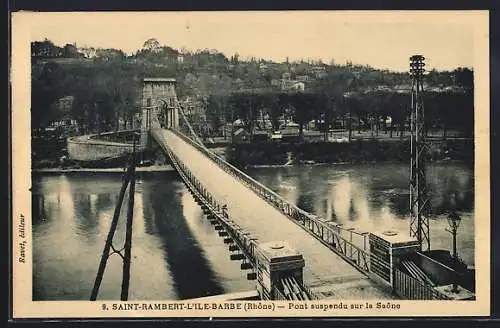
374,197
72,215
189,268
177,254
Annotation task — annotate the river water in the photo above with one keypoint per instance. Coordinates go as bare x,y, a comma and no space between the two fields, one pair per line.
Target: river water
176,253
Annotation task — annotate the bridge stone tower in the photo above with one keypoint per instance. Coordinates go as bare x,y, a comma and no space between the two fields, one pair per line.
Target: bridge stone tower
277,261
159,99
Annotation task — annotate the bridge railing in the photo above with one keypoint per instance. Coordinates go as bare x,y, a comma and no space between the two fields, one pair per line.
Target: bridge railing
350,244
245,242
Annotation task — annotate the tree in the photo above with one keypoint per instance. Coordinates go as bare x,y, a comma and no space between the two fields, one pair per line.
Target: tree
245,105
272,106
401,111
302,104
88,52
70,51
323,109
464,77
235,59
48,85
334,88
110,54
151,45
215,112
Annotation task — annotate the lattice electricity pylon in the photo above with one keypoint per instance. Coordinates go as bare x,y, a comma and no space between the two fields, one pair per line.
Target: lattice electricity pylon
419,202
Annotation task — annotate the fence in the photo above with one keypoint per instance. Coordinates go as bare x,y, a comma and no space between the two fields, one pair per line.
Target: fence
411,288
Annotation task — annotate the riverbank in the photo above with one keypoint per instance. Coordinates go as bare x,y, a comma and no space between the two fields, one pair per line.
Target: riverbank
58,170
356,152
311,163
255,155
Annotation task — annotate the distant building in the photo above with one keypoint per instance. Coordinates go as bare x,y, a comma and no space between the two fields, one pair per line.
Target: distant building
298,86
65,121
318,71
45,49
313,136
303,78
286,76
291,85
66,124
289,128
276,83
238,123
290,134
276,136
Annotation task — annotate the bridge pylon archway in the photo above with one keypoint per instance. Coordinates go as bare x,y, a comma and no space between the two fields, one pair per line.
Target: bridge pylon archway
159,99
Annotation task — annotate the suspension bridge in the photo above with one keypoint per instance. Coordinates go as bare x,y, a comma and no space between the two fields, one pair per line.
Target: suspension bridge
260,227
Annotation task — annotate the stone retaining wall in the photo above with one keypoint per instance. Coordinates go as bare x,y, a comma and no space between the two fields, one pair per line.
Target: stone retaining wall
87,148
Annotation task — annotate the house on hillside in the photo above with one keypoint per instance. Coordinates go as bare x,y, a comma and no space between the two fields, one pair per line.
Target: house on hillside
286,76
287,84
180,57
291,85
303,78
276,83
263,67
318,71
45,49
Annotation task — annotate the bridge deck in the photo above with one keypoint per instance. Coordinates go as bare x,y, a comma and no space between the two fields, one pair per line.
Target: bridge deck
325,272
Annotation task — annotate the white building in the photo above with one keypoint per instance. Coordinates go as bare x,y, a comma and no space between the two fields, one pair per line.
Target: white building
291,85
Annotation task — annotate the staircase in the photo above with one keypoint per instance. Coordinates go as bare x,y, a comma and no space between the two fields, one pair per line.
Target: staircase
417,273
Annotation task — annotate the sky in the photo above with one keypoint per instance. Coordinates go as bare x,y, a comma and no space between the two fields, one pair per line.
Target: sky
382,40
